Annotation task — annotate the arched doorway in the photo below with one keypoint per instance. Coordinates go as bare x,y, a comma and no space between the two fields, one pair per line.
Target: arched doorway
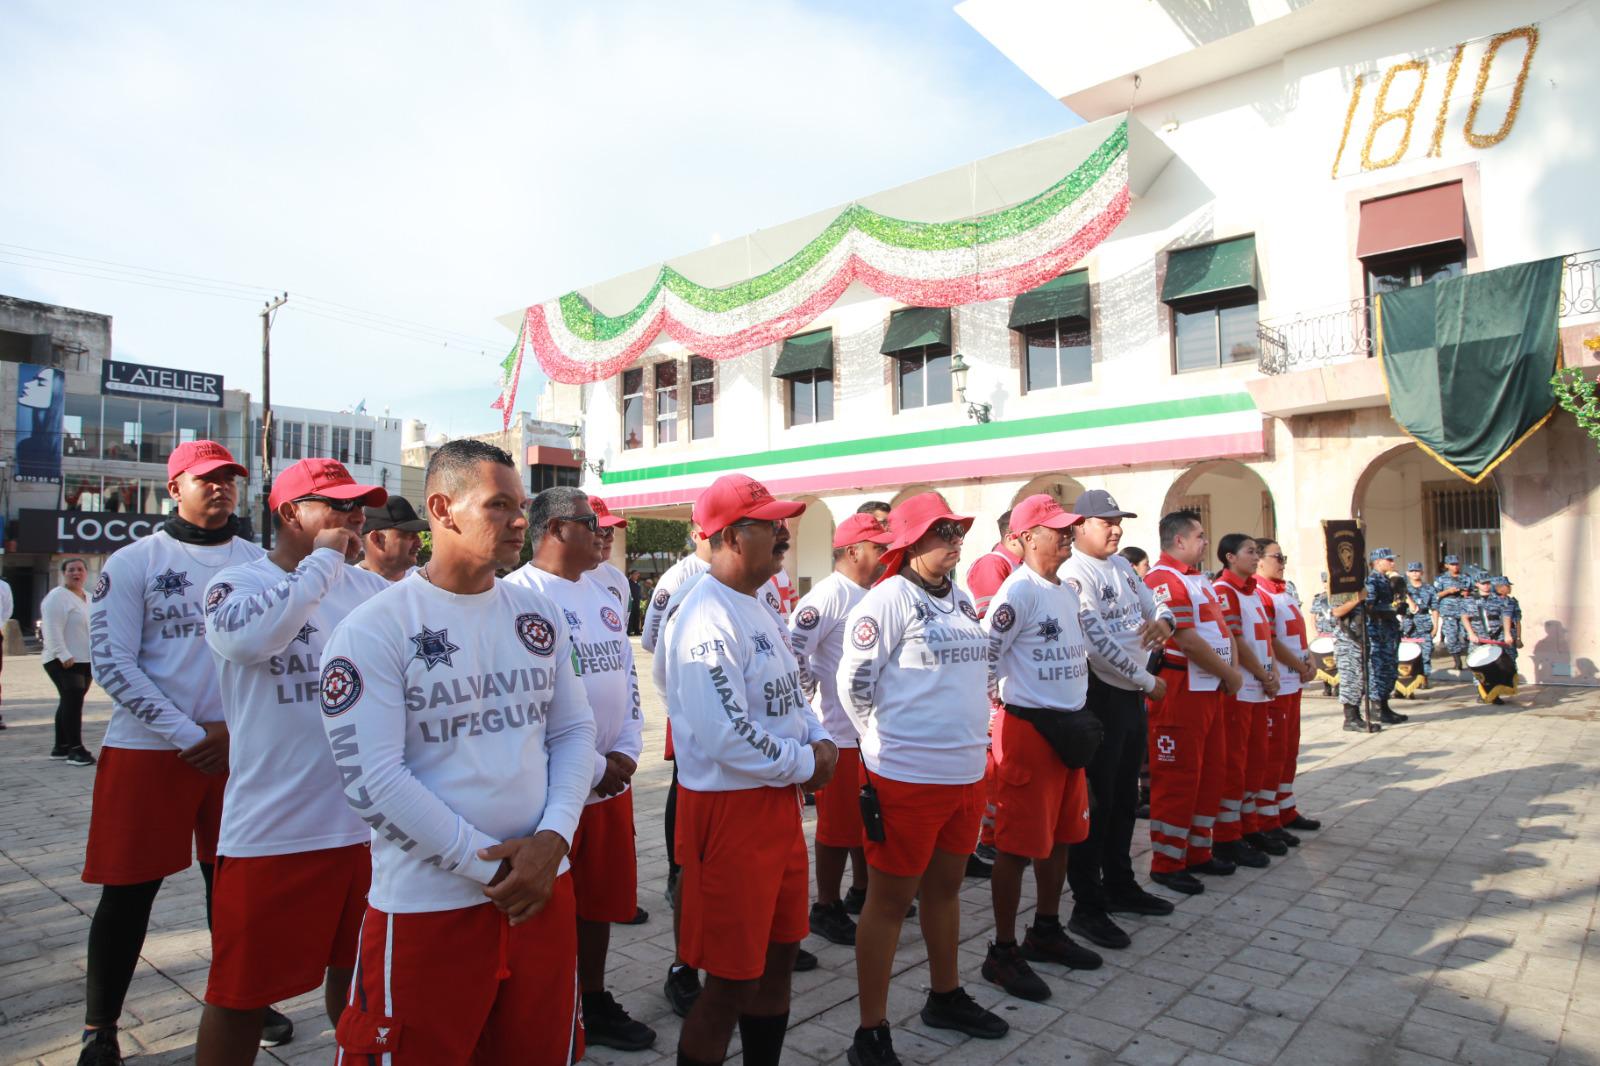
810,555
1230,497
1424,512
906,493
1066,490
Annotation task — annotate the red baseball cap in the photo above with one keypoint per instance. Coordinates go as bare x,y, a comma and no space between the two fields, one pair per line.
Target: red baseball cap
909,522
1042,509
323,477
200,457
734,497
858,528
607,519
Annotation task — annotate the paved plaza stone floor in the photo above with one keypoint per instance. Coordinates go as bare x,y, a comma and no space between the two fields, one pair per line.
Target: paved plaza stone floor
1445,913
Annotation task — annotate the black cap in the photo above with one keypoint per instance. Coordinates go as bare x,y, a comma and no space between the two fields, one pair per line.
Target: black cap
1098,503
397,513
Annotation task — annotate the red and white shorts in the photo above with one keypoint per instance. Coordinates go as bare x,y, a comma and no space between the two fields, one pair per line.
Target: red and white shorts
605,868
745,881
920,819
153,814
279,922
449,988
1039,802
839,804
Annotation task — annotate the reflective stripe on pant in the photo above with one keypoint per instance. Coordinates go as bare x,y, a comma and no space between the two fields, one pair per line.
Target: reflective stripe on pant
1184,773
1233,806
1290,706
1265,766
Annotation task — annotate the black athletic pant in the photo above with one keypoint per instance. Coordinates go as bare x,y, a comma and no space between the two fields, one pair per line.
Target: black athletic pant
116,936
72,684
1101,863
670,818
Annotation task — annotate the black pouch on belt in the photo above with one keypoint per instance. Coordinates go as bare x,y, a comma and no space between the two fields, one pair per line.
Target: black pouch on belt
1075,735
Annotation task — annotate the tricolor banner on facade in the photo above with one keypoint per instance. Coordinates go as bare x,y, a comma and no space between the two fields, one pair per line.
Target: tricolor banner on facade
1467,362
925,264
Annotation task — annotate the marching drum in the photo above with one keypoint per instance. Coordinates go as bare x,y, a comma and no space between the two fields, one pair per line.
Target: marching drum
1494,670
1322,653
1410,676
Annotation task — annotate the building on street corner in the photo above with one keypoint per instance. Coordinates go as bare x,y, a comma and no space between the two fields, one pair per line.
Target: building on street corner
1240,194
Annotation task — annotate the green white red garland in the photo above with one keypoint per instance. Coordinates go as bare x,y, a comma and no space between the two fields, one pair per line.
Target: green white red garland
510,374
924,264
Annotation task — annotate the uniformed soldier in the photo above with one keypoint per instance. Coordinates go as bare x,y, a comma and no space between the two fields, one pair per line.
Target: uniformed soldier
1494,619
1350,632
1327,626
1502,588
1453,589
1383,634
1422,624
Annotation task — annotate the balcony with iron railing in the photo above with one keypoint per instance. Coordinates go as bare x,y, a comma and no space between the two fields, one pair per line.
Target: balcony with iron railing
1343,332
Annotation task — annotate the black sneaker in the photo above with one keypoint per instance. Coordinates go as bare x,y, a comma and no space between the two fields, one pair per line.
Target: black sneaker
1005,966
872,1047
1304,824
606,1024
1284,837
957,1010
854,900
79,757
1241,854
811,799
804,961
1263,842
1097,928
831,923
1179,881
1135,900
682,989
59,752
275,1028
640,916
1052,944
976,867
1214,867
100,1048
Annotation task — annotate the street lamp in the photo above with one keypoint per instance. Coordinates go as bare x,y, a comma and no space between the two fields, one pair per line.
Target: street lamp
575,435
978,412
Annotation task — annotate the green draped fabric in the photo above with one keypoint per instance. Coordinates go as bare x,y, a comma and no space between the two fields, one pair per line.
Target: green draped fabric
1467,361
804,353
1212,268
915,327
1064,297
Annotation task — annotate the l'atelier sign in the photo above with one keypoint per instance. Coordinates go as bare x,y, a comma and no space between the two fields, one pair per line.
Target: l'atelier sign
89,532
160,382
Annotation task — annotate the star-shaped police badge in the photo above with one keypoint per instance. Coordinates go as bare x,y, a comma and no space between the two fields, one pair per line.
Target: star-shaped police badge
1108,593
1050,629
304,636
172,583
434,647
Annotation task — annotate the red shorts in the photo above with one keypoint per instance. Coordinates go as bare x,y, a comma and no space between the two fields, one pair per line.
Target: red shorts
839,804
1039,802
745,881
279,922
666,748
447,988
153,814
605,869
917,819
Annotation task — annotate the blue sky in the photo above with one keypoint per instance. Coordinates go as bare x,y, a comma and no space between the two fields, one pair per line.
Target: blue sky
423,168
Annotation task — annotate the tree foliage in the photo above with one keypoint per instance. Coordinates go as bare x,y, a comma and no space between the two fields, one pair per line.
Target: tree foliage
1580,397
656,537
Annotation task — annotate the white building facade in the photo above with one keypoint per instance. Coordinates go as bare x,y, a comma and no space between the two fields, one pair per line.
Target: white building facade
1215,350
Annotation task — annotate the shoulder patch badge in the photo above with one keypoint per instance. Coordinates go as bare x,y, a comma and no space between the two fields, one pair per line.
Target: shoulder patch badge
661,599
341,686
217,594
1005,616
808,618
536,633
865,634
969,610
612,620
101,587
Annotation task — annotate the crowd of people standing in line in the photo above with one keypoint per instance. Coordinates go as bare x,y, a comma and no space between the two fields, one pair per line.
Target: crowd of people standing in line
412,787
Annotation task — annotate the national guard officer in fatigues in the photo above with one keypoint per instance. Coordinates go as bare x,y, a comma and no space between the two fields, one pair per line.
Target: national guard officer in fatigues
1383,634
1495,616
1453,589
1502,588
1322,618
1423,622
1350,632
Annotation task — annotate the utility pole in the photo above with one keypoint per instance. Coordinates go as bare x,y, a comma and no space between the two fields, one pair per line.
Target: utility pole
266,415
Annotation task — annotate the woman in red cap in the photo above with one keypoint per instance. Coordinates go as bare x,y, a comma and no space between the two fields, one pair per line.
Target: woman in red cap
914,678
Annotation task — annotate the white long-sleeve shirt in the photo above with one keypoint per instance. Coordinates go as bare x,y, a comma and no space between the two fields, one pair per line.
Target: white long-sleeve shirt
602,655
456,722
147,637
816,633
267,630
6,603
1037,654
666,585
65,619
1112,604
615,582
914,677
660,665
739,716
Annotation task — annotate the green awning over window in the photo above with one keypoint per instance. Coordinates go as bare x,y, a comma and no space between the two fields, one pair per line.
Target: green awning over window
1064,297
804,353
915,327
1226,266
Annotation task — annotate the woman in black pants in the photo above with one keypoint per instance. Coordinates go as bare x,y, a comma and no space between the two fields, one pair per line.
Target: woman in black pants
65,614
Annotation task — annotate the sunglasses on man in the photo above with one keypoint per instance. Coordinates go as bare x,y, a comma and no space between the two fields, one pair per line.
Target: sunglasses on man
342,506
